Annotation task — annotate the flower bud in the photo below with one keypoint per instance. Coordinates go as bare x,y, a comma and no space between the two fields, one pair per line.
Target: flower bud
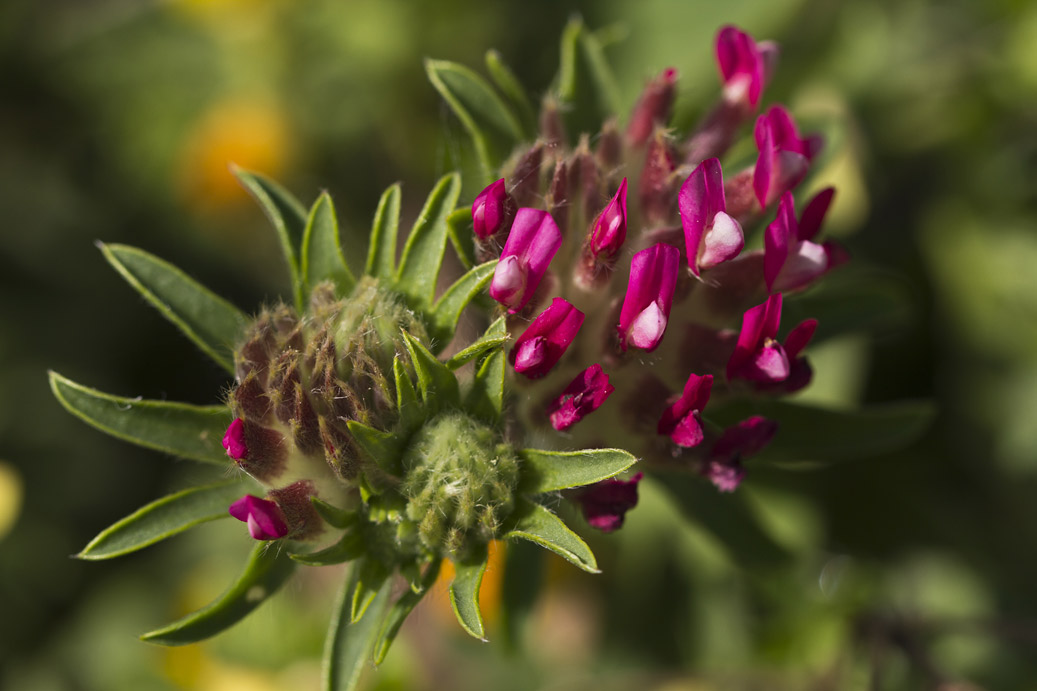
264,518
581,397
492,211
649,296
653,107
541,345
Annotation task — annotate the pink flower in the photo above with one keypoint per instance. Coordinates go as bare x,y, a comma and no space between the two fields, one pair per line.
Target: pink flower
745,66
784,155
542,344
758,356
682,421
492,211
610,228
724,465
800,371
605,503
711,235
646,305
791,260
653,108
234,440
583,396
531,245
264,518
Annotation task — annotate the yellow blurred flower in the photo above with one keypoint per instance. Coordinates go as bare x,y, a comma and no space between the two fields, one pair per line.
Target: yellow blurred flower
10,497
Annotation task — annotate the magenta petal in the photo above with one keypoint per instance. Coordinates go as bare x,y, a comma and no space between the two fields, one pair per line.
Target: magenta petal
725,475
488,210
680,421
759,327
807,262
769,364
799,338
264,518
700,199
649,296
742,67
533,241
814,213
745,439
780,234
605,503
722,242
544,342
610,229
582,396
234,440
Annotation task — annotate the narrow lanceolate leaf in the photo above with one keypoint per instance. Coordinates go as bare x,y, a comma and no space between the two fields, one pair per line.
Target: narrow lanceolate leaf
179,429
371,579
400,610
729,517
267,570
485,398
586,88
348,548
464,594
322,258
384,448
493,338
407,403
164,518
510,86
494,129
287,216
423,253
447,310
381,255
462,236
810,436
533,522
547,471
332,515
348,646
211,322
436,383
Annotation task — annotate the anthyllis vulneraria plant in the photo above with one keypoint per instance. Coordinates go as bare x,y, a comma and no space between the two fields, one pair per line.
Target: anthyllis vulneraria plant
622,316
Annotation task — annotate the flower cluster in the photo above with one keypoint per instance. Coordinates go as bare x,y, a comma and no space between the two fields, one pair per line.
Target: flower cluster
593,283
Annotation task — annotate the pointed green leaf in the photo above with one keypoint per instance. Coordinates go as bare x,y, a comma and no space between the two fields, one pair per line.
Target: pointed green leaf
332,515
436,383
810,436
510,86
401,609
164,518
407,402
179,429
485,398
384,448
587,91
462,235
348,646
371,578
480,347
348,548
267,570
423,253
853,301
547,471
322,258
288,217
211,322
494,129
447,310
533,522
464,594
381,255
728,516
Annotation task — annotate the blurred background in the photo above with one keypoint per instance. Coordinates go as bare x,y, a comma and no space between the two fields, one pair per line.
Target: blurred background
916,570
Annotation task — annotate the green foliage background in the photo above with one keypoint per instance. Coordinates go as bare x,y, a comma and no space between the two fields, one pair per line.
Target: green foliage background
116,118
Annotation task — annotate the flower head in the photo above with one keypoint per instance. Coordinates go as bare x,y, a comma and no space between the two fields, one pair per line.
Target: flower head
264,518
606,503
531,245
649,296
543,343
581,397
711,235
